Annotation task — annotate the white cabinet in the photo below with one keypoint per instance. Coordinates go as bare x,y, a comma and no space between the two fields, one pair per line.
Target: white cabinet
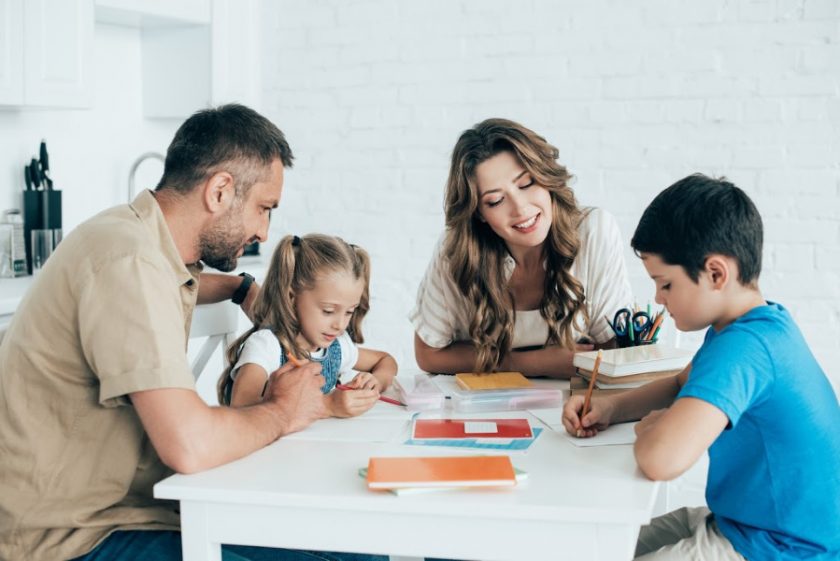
11,52
196,53
46,52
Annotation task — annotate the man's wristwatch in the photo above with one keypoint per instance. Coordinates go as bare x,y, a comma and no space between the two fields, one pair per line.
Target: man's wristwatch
241,292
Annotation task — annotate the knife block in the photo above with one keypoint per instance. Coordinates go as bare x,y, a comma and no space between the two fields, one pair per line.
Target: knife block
41,210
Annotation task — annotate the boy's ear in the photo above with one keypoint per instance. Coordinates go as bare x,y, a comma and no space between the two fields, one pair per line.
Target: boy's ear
719,270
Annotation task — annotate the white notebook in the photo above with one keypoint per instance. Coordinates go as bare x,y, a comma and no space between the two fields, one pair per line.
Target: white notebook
635,360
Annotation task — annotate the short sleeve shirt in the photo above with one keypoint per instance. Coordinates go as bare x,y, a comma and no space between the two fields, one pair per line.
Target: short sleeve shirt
107,316
774,472
442,314
263,349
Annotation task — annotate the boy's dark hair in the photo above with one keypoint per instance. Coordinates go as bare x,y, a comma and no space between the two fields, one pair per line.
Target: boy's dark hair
698,216
232,138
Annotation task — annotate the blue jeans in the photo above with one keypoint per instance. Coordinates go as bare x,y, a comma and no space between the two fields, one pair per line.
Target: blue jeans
165,545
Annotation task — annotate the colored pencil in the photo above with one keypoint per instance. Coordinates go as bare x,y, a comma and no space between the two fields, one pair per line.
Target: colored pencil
588,397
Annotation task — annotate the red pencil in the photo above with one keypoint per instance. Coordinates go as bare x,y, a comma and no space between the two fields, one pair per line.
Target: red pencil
381,397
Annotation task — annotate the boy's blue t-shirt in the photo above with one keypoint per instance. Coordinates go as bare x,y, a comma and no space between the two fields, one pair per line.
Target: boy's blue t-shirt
774,472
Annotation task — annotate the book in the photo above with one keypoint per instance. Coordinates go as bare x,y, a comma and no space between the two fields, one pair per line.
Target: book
578,386
520,475
635,360
471,428
492,380
640,379
479,443
440,471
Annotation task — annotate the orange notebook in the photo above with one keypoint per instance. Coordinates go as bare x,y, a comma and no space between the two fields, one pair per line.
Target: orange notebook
441,471
492,381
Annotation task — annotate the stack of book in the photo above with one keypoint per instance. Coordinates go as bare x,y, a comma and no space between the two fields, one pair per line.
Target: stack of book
630,367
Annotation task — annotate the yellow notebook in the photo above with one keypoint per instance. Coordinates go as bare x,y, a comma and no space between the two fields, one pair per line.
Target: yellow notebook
492,381
445,471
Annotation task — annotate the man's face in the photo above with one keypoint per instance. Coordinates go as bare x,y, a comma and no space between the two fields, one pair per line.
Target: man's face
245,222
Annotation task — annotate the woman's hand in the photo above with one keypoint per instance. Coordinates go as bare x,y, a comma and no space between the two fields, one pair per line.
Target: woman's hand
597,419
349,403
365,381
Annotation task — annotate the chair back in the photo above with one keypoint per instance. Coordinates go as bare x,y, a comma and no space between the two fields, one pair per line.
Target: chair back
219,323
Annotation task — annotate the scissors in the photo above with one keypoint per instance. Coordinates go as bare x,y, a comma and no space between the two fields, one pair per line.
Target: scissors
630,327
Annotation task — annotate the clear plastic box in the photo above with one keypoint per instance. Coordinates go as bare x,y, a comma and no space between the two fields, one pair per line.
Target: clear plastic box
473,401
419,392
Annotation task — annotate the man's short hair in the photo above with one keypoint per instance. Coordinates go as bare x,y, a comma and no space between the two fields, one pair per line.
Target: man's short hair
231,138
698,216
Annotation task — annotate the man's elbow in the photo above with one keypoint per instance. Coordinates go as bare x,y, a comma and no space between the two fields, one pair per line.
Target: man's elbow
184,458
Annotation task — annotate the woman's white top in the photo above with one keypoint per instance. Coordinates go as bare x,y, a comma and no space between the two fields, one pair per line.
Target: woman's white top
263,349
442,315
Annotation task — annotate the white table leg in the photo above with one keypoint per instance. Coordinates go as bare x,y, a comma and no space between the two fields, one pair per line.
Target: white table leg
196,542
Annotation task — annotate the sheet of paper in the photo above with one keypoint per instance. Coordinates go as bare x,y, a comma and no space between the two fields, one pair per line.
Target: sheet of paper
623,433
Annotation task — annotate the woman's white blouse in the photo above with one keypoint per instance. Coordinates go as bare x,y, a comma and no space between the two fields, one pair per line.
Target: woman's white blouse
442,315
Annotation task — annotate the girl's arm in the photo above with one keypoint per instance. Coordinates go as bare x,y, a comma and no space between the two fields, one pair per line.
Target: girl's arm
460,357
380,364
248,385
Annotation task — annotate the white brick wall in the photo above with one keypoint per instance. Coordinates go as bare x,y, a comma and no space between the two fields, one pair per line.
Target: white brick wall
373,94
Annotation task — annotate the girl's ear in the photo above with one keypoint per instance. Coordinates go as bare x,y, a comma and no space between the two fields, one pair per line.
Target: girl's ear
719,270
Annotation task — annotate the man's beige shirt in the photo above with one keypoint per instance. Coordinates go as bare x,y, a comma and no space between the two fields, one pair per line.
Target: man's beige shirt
108,315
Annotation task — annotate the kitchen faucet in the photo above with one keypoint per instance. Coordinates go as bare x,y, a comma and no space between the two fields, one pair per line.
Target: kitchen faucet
133,171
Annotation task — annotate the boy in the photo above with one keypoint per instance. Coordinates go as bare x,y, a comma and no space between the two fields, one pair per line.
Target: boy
753,395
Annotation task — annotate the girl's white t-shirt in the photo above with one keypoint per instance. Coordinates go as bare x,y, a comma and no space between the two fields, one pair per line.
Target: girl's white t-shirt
263,349
442,314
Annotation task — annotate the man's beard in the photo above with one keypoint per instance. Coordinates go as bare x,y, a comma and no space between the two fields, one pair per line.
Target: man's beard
220,244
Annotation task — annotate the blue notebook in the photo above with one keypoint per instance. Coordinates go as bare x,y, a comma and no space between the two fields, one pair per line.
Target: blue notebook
515,444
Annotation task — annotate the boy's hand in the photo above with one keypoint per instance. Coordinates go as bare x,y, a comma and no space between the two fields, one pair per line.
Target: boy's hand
598,418
349,403
365,381
648,421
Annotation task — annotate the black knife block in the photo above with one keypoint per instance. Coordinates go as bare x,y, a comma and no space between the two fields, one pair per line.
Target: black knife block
41,210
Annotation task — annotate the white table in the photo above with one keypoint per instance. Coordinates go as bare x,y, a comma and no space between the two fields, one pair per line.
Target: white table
578,503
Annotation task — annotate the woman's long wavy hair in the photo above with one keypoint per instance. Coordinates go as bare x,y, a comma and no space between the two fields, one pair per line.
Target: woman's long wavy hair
297,265
476,254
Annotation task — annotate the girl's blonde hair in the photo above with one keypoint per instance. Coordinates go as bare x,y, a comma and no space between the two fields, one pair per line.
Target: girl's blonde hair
476,254
297,264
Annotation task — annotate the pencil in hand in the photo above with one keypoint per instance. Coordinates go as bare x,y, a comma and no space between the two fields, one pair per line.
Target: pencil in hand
588,396
291,358
345,387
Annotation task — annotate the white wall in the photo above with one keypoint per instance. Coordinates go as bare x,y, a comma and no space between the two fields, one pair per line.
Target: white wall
91,150
373,94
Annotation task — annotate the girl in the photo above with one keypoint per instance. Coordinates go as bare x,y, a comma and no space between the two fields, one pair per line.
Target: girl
521,266
311,306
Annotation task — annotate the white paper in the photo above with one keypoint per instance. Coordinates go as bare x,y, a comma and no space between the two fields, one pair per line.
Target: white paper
480,427
623,433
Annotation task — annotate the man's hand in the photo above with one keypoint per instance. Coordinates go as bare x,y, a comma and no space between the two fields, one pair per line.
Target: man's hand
349,403
296,395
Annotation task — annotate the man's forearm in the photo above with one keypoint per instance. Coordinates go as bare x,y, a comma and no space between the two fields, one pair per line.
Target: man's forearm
216,287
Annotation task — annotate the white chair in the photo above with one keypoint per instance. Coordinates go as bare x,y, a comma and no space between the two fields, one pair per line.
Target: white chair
220,324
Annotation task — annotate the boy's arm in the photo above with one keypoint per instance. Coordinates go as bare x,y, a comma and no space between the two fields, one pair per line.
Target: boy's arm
669,442
635,404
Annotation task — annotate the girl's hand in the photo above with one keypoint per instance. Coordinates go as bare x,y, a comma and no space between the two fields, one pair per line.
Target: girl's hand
365,381
349,403
598,418
648,421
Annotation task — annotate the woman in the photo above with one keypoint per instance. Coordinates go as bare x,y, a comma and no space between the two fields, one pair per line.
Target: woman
522,276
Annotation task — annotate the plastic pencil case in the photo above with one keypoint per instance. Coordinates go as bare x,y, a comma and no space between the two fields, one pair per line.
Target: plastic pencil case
419,392
471,401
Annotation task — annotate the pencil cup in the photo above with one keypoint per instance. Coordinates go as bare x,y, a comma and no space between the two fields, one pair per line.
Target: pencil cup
44,242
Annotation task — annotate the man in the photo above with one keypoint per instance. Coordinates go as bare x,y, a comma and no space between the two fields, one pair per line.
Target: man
97,401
